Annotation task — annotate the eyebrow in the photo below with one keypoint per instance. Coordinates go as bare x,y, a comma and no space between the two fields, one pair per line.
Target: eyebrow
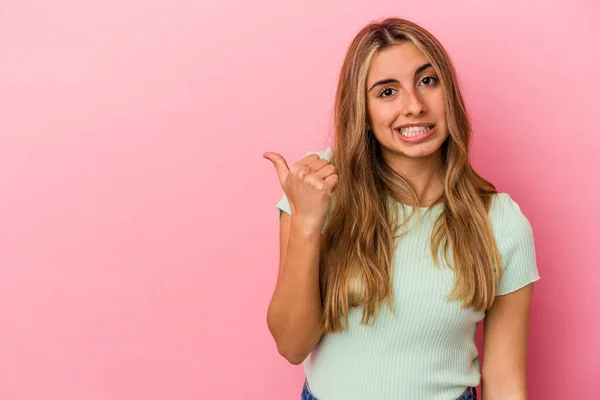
389,80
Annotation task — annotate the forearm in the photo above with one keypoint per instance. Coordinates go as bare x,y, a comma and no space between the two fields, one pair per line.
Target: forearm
491,390
519,396
295,312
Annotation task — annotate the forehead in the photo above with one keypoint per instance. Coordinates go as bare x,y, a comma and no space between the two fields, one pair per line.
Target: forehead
397,61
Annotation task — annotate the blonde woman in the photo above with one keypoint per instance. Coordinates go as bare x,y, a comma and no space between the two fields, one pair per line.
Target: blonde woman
392,248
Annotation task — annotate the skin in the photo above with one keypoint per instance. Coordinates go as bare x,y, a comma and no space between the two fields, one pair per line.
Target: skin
416,96
505,335
410,99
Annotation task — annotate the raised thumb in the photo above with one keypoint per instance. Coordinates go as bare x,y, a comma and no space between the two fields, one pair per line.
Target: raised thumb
280,164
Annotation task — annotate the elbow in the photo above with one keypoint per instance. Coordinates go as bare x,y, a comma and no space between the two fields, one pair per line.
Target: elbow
294,346
294,356
289,348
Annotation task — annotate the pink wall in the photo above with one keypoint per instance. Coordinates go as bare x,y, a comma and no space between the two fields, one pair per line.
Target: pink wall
138,229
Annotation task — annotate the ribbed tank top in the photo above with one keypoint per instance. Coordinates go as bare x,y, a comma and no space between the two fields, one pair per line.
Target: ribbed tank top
427,349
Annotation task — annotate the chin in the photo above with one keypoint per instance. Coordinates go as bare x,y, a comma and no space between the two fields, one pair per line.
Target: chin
418,154
420,150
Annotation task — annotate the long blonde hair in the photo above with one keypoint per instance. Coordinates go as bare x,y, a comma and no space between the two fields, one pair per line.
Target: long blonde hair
357,247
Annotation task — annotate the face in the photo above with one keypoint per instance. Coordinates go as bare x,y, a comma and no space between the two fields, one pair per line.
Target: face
404,100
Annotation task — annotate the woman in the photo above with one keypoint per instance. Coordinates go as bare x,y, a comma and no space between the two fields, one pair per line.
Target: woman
392,248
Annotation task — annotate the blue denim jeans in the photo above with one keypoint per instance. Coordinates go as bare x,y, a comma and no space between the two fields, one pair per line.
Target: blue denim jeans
469,394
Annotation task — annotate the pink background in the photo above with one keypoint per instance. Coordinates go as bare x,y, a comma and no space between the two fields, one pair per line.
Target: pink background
138,229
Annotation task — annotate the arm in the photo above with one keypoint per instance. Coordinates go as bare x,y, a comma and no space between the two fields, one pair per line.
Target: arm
506,330
295,312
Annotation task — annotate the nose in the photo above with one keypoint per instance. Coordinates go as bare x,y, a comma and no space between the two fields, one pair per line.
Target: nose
413,105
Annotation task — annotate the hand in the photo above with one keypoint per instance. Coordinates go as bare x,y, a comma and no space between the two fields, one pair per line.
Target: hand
308,185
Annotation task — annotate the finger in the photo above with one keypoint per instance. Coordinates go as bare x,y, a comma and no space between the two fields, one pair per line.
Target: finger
308,159
281,166
332,181
318,164
325,171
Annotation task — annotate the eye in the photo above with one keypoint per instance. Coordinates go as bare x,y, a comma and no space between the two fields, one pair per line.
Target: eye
386,91
431,79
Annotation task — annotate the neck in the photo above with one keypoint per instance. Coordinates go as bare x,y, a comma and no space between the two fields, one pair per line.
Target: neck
424,174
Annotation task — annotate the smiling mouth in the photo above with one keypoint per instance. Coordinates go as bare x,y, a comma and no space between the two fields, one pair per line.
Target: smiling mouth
414,131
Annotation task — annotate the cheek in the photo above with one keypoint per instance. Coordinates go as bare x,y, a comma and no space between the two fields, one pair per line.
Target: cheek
383,114
437,104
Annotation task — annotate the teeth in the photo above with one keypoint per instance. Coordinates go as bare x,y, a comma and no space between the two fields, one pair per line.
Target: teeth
414,131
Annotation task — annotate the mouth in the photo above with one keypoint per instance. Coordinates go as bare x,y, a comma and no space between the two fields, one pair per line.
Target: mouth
414,131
